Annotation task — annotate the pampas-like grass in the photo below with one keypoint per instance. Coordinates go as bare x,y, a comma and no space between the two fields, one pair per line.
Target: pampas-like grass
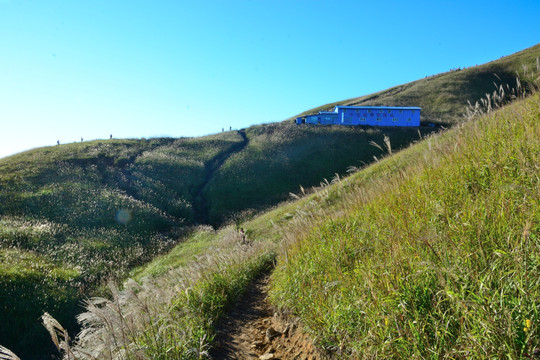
154,316
6,354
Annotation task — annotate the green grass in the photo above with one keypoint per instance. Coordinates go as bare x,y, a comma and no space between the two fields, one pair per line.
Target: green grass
31,283
171,314
281,157
63,205
435,259
430,253
195,244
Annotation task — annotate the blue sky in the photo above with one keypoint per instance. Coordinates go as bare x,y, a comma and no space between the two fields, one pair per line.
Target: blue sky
74,68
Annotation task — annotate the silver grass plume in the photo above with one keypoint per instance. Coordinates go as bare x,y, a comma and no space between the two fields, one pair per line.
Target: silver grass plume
6,354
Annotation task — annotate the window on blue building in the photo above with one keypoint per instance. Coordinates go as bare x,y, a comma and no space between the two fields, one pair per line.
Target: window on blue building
379,119
395,119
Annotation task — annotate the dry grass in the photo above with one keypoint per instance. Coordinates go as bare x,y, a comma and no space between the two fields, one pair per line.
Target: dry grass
6,354
169,316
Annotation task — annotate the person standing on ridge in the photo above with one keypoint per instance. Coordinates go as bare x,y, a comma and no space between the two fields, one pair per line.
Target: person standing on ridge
242,236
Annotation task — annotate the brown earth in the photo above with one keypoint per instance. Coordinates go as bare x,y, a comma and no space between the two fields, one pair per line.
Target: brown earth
252,330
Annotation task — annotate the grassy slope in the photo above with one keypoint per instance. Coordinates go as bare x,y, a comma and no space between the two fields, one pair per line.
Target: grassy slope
437,258
430,253
58,211
281,157
59,203
443,96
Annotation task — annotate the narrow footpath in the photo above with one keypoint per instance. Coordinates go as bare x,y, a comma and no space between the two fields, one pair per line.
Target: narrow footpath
200,205
253,331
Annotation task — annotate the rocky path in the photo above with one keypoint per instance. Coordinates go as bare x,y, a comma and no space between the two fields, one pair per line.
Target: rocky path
253,331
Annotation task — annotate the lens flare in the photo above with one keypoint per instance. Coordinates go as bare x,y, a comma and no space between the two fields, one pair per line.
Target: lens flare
123,216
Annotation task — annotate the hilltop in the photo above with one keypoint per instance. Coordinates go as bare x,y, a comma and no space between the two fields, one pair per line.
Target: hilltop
443,96
73,215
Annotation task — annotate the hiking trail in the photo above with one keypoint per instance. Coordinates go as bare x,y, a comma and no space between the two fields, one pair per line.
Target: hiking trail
200,204
252,330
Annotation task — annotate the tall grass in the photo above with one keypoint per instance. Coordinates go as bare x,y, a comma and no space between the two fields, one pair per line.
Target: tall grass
82,212
169,315
504,93
6,354
432,253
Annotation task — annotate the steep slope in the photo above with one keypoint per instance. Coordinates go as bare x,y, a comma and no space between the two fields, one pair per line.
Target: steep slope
432,253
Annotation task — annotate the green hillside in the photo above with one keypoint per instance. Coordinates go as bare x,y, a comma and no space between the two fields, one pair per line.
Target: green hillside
430,253
74,215
443,96
281,157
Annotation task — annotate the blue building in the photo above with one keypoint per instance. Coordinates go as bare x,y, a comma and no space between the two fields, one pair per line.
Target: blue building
365,115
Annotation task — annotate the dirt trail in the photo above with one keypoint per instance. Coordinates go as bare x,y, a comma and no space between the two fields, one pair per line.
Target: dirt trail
200,205
253,331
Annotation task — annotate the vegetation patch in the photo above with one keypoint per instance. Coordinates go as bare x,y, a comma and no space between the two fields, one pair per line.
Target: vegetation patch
281,157
171,315
438,259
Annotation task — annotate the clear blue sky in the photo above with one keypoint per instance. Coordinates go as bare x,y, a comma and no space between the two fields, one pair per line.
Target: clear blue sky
75,68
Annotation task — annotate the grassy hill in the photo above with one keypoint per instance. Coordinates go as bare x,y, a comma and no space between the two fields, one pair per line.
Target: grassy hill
80,213
75,214
443,96
281,157
430,253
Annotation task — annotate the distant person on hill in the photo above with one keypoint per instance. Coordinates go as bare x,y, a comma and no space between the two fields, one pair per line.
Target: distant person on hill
242,236
110,137
82,139
57,142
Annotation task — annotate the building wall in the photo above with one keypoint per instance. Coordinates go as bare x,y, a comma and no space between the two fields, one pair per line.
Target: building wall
379,116
321,119
312,119
371,116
